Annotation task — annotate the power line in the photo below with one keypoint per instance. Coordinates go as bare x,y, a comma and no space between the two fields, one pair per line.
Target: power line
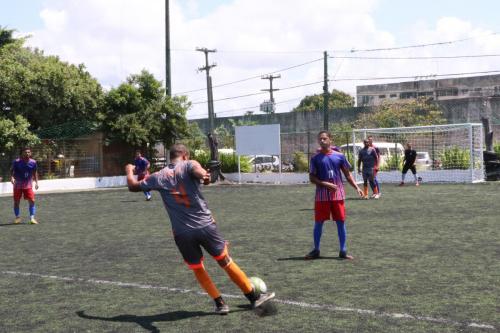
418,45
353,50
418,58
357,79
413,76
259,93
251,77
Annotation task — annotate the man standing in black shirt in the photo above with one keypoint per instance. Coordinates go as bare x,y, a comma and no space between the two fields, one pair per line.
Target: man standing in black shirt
409,164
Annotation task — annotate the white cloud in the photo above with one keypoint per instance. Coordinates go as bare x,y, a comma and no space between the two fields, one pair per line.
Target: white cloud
115,38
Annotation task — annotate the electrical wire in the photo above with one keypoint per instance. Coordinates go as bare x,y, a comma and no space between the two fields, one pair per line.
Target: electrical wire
251,77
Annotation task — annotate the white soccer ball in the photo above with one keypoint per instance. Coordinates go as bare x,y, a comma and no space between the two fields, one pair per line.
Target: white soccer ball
258,284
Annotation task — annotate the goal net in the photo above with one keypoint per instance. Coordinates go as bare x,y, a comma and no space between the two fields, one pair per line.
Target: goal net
445,153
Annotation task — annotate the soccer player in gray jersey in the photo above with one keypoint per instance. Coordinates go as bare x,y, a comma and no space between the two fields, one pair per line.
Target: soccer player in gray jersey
368,156
193,226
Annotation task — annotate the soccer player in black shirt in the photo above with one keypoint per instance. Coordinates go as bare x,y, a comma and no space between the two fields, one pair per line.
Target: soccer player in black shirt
409,164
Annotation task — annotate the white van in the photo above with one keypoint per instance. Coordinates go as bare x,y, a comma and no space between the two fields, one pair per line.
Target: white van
386,149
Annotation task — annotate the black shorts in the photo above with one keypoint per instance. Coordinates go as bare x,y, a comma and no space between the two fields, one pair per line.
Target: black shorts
407,167
190,243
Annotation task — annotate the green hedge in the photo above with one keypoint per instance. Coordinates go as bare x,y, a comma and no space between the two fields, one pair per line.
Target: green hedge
455,158
229,162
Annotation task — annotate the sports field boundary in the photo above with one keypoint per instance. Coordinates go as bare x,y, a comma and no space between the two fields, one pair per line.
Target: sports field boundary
324,307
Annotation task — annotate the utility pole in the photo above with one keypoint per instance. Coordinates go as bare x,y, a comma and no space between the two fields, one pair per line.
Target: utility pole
270,78
214,164
209,86
168,74
325,91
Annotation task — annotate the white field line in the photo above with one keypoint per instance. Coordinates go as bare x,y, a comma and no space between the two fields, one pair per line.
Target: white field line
328,307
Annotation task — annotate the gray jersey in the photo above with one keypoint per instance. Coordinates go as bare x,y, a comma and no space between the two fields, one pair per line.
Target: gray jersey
369,157
180,191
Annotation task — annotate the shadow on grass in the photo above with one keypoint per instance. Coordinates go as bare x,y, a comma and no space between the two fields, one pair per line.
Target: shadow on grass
129,200
11,224
146,322
303,259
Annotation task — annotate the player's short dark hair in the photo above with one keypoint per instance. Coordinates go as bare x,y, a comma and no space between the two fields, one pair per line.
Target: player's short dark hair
21,151
325,132
177,150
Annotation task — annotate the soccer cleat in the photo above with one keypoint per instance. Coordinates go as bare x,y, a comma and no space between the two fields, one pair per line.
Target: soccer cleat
376,196
417,184
17,220
344,255
33,221
221,309
401,184
365,197
314,254
263,298
148,197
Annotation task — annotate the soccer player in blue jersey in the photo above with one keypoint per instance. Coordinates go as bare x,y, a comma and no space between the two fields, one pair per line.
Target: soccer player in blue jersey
325,171
369,157
375,169
23,172
193,225
142,170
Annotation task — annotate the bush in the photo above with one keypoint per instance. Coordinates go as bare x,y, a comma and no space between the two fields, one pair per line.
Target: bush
300,163
496,148
395,162
229,162
455,158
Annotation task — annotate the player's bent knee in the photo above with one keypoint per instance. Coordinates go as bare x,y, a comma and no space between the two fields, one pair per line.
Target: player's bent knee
225,261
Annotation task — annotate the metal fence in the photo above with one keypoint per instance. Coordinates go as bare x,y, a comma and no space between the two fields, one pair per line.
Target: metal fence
61,159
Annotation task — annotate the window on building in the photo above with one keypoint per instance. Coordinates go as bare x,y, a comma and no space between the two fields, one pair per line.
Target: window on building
425,93
408,94
448,92
464,91
381,96
394,96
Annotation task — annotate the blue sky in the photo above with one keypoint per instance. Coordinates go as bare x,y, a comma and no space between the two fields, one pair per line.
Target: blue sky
116,38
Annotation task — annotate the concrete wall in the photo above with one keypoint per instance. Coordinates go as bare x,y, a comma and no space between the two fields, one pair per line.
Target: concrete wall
71,184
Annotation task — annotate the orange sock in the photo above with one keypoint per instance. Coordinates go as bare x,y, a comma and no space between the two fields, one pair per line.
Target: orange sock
365,190
206,282
375,190
238,277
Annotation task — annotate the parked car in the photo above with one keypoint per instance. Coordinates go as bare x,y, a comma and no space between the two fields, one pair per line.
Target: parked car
265,162
423,161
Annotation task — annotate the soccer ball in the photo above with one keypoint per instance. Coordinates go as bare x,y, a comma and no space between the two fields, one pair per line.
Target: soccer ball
258,285
419,179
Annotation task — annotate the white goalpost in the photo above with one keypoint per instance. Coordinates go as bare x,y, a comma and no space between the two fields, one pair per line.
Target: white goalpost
445,153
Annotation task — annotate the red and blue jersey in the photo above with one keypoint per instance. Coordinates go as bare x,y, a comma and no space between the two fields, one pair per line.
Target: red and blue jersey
141,165
23,172
327,167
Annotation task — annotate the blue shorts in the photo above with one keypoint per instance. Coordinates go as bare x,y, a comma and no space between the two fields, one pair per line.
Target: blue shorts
190,243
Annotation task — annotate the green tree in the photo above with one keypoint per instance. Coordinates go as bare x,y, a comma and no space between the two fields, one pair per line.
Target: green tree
138,112
15,134
336,100
43,89
6,36
418,112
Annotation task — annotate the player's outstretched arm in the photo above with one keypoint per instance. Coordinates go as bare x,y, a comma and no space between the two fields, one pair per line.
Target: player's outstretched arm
351,181
132,183
200,173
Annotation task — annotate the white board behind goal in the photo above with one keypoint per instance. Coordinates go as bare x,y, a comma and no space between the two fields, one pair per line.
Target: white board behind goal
258,140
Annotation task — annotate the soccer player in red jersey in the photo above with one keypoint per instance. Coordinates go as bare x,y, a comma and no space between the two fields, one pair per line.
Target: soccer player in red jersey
23,172
325,171
142,170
